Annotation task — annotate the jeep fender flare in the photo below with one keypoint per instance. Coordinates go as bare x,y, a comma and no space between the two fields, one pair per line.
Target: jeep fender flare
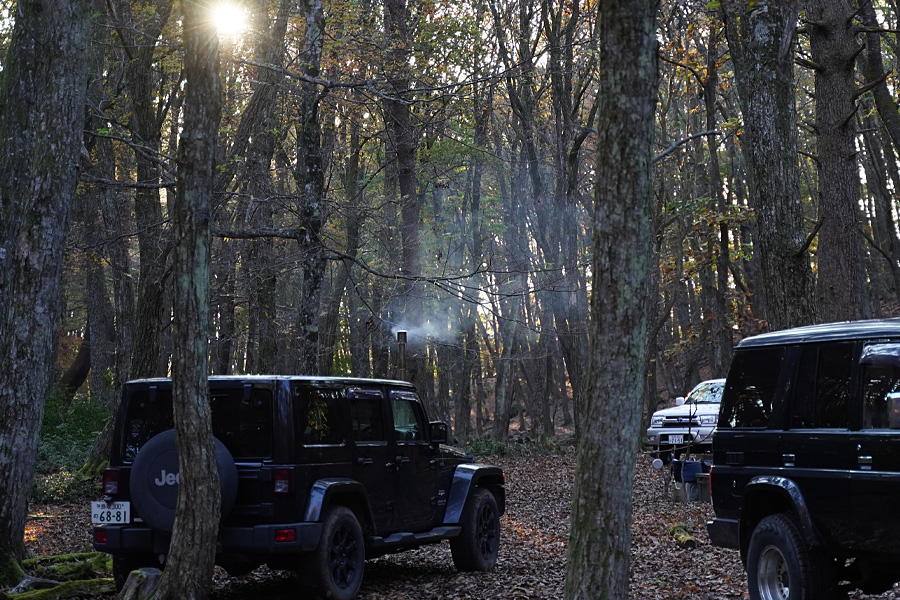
788,493
466,478
342,491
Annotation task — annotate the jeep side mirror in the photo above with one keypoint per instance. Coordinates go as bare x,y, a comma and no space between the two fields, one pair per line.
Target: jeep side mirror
438,431
679,400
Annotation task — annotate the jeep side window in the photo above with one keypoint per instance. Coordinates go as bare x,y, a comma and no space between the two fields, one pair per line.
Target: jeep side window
407,426
242,419
366,416
880,385
750,390
318,413
822,387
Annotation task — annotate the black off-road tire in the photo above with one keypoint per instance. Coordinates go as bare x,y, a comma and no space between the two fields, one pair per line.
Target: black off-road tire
335,568
781,565
477,546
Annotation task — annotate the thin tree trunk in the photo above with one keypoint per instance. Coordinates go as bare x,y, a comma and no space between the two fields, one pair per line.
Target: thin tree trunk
188,574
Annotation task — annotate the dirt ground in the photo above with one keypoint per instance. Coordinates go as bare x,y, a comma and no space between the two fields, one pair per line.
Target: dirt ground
533,550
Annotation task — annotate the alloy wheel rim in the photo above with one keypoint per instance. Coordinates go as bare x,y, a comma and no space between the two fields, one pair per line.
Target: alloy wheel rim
487,532
773,579
344,557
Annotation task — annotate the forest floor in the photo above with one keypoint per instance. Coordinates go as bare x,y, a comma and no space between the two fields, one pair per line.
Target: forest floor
533,551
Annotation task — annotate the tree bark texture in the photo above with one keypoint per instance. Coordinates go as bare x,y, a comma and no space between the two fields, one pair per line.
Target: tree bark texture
600,536
42,91
833,46
310,178
189,568
761,39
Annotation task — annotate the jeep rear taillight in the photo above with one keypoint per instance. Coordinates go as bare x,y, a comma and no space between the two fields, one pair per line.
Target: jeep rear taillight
282,477
285,535
111,478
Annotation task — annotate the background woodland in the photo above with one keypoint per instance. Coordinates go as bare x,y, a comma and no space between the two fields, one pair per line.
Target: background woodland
428,166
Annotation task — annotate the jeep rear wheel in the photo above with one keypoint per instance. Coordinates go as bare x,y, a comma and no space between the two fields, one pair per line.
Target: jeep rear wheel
335,569
477,546
780,565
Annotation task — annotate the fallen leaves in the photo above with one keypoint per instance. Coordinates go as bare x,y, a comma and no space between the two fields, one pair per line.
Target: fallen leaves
532,560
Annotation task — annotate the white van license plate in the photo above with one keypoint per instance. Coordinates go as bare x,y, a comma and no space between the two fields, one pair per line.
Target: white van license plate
114,512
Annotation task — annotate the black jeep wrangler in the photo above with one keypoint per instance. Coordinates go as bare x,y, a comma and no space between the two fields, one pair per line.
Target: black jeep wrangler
806,473
317,474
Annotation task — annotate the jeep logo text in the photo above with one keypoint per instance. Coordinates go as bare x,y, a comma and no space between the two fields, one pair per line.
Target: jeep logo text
166,479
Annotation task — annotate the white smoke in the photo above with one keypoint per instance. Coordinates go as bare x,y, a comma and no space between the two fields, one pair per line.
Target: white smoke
427,331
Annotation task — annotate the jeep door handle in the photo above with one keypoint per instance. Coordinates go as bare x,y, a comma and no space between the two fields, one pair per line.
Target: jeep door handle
364,461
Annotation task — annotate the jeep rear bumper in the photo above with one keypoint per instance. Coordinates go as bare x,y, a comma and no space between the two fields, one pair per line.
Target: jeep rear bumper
724,532
265,539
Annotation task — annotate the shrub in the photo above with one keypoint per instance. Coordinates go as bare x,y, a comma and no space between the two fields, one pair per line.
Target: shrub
68,433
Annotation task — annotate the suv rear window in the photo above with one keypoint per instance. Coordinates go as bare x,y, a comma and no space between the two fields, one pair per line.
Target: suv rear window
242,420
750,390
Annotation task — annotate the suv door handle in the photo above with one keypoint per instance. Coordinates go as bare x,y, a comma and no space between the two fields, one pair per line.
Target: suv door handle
789,459
402,460
363,461
865,463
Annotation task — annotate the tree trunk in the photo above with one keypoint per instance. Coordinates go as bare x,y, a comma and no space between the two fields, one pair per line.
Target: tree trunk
310,176
761,37
42,92
189,567
600,536
833,45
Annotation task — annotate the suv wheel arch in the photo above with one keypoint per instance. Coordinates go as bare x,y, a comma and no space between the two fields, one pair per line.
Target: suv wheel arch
768,495
339,491
466,479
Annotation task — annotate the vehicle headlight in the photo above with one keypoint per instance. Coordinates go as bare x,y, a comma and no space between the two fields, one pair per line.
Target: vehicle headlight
657,421
709,419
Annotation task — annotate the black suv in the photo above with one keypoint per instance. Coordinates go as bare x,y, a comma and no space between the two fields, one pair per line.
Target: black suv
317,475
806,473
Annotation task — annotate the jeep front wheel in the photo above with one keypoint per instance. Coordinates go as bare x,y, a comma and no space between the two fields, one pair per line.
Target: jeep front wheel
478,544
780,565
335,568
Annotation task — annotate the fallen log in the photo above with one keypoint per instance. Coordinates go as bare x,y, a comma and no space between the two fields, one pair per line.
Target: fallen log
682,536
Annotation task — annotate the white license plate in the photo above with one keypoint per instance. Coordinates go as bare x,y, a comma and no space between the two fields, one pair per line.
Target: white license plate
676,439
114,512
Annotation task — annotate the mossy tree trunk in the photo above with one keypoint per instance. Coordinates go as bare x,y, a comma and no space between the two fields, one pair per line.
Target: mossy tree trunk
42,90
600,537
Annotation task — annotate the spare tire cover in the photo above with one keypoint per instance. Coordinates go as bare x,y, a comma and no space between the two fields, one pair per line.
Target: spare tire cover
154,480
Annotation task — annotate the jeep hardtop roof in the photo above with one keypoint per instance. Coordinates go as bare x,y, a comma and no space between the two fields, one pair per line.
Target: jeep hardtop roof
829,332
261,378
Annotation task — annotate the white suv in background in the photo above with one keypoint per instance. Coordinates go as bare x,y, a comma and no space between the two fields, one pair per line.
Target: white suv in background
688,426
